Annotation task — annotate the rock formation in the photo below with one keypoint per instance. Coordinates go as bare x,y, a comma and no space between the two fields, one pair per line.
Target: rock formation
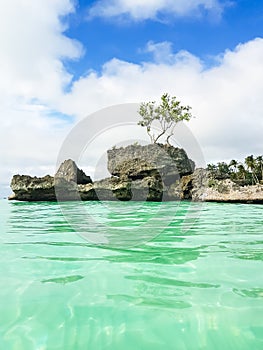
69,171
137,162
28,188
140,173
206,188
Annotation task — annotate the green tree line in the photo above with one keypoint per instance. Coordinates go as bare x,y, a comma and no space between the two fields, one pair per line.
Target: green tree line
249,172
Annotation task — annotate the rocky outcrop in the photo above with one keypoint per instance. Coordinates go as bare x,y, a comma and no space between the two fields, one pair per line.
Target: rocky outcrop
28,188
143,173
149,171
155,160
63,185
146,189
139,173
204,187
69,171
199,181
228,191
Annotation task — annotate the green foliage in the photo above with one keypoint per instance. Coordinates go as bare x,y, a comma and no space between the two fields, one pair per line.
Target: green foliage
248,173
220,171
168,113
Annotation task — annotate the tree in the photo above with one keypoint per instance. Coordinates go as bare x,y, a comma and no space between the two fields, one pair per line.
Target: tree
259,164
249,173
223,170
241,171
212,168
251,164
168,113
233,164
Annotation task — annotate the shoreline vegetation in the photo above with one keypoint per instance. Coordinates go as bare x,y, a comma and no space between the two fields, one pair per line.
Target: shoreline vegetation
247,173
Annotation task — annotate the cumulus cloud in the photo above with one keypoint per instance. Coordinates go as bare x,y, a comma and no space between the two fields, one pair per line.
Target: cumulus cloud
151,9
162,52
32,49
226,99
31,137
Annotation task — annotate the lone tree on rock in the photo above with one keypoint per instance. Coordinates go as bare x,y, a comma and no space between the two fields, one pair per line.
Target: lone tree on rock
167,114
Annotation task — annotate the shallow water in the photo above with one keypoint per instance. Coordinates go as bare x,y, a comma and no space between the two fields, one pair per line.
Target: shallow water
163,276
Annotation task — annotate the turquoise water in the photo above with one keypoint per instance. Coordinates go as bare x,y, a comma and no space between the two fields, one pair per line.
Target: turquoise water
193,280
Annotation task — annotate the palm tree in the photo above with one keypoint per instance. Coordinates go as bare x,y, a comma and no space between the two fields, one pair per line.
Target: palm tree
241,171
233,169
251,165
223,170
259,161
233,164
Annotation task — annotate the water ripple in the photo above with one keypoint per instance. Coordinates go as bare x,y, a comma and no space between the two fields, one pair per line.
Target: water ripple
197,284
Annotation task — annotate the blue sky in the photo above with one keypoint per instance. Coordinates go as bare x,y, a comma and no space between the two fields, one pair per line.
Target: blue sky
202,34
61,60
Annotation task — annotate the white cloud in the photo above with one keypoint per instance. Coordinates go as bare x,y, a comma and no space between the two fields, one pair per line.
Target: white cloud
226,99
31,138
162,52
150,9
32,47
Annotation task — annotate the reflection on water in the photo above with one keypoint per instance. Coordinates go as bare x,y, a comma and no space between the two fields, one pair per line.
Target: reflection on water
196,284
64,280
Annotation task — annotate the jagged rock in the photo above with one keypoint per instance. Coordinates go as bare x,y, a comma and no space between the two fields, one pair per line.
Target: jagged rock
199,182
150,188
143,173
229,191
61,187
147,189
69,171
206,188
107,189
28,188
137,162
66,190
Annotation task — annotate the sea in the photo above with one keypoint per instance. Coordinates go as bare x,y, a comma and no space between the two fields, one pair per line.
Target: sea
131,276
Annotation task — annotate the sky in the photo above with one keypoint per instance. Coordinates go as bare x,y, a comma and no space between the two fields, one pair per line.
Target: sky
62,60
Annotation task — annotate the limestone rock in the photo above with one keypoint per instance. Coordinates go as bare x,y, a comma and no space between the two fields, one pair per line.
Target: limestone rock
28,188
61,187
141,173
206,188
229,191
137,162
123,189
109,189
69,171
200,179
150,188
